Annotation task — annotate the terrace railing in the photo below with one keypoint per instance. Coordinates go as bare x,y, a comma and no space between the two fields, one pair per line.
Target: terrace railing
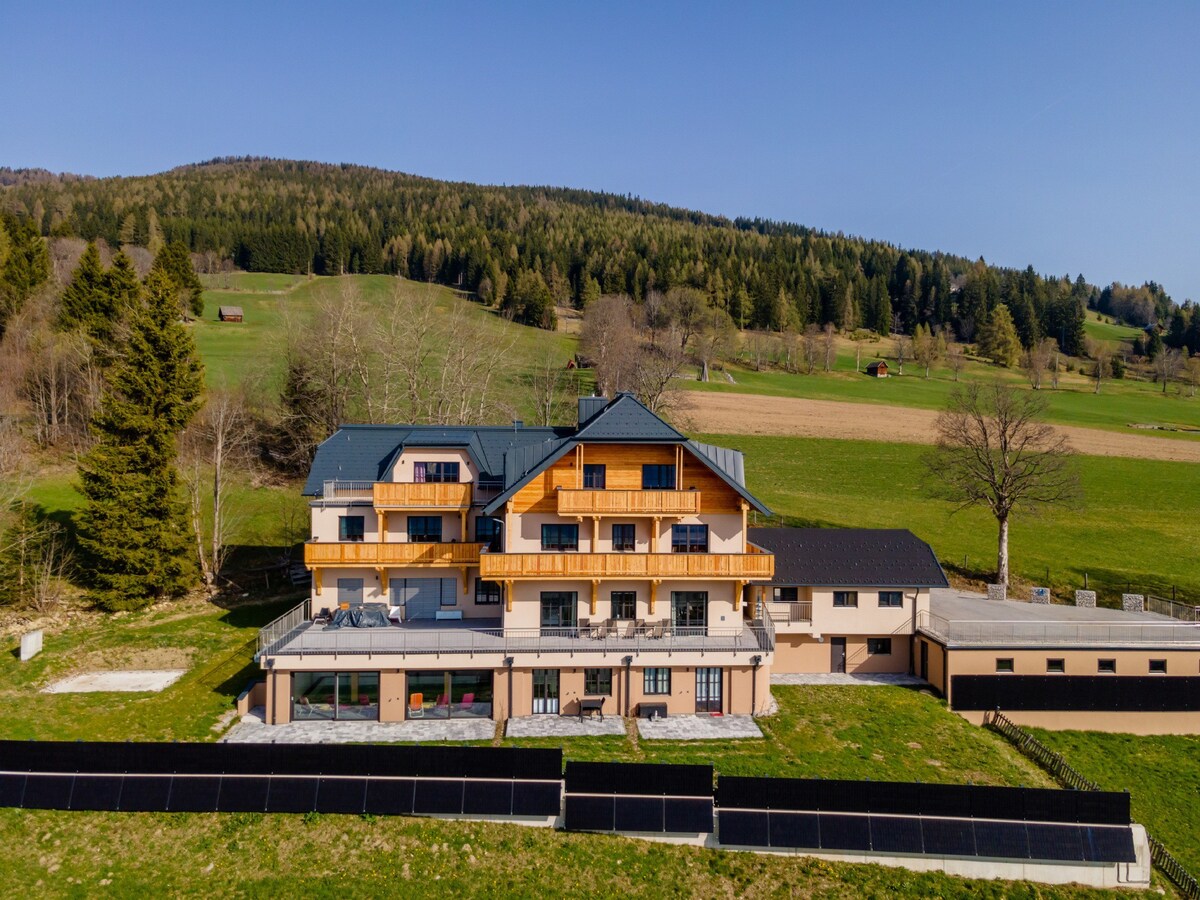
1049,633
282,627
788,613
1182,611
347,490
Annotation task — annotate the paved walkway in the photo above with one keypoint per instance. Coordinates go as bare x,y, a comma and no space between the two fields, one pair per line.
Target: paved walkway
698,728
252,730
563,726
882,678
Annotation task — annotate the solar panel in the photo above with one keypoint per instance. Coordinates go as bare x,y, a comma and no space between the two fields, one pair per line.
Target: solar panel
18,756
1050,805
743,829
639,778
291,795
948,837
96,792
896,797
303,759
945,800
245,759
48,791
1103,808
537,798
488,798
1057,842
105,757
389,796
243,795
434,795
794,829
896,834
1108,844
639,814
843,796
590,813
194,793
840,832
1003,839
685,815
989,802
341,795
12,787
145,793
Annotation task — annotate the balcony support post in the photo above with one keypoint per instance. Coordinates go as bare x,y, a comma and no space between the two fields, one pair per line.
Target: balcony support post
595,593
654,583
382,524
463,571
745,534
738,587
595,532
383,579
508,592
316,577
462,516
657,522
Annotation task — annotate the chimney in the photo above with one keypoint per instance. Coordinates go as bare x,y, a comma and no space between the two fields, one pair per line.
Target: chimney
589,407
517,423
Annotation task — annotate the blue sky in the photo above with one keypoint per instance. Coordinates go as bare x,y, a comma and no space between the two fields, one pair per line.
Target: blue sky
1058,134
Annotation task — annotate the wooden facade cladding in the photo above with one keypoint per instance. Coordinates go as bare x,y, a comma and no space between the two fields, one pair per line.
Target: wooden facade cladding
623,473
751,566
573,502
425,495
362,553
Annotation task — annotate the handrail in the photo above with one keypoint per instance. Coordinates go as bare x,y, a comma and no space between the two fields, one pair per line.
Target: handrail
1172,608
1045,631
789,611
281,627
749,566
574,501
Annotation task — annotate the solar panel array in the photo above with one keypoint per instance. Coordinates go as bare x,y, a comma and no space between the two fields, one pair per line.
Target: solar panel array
1091,693
932,819
639,797
383,780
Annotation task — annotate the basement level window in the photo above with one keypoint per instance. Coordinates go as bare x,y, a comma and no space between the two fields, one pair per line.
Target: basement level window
879,646
1056,666
1106,666
1158,667
1004,665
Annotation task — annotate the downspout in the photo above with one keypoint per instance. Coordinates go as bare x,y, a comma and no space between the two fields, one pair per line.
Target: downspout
628,663
757,661
912,642
508,661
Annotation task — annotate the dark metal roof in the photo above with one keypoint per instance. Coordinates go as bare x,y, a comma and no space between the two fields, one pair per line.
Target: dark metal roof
850,557
626,419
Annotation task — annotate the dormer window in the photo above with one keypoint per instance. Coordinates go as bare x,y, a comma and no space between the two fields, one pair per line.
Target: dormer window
435,472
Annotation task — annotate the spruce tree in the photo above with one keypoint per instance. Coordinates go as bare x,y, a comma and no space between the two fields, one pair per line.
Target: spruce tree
176,263
133,528
82,298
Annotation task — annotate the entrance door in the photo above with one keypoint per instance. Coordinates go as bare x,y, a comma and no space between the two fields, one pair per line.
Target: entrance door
924,661
689,609
545,691
838,647
708,690
350,590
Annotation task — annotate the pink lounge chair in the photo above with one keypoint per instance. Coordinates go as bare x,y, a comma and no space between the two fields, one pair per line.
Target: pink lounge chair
468,701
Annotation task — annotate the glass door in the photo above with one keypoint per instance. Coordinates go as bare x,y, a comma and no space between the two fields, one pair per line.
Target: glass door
558,611
545,691
689,609
708,690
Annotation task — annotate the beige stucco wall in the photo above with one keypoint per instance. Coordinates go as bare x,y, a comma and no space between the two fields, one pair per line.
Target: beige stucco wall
1113,722
526,611
373,591
402,472
805,654
524,532
937,662
1075,661
868,617
325,515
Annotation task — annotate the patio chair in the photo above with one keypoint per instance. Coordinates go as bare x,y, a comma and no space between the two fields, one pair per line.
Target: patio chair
657,630
467,703
442,705
416,705
600,631
585,627
323,616
364,700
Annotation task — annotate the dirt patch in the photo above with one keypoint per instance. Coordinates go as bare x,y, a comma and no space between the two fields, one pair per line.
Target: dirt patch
722,413
130,680
142,660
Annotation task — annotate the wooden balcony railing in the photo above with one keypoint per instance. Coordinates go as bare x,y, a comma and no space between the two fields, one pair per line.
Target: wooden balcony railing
365,553
741,566
627,503
425,495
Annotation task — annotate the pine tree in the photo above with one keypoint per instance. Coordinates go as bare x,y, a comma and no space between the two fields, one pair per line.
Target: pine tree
998,339
133,528
83,299
175,261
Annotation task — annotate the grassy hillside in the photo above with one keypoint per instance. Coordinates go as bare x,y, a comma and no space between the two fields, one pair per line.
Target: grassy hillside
1102,328
1132,529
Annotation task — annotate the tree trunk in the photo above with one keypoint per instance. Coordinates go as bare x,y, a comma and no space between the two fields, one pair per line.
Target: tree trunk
1002,555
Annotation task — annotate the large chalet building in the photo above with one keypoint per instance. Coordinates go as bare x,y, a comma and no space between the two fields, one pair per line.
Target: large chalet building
510,571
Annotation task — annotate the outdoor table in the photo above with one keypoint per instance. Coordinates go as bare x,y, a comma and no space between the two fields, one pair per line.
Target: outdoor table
591,704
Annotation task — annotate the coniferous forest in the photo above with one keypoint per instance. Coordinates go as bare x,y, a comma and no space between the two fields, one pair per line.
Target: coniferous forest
530,249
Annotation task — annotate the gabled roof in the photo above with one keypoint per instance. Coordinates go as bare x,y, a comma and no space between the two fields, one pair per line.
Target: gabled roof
850,557
229,310
626,419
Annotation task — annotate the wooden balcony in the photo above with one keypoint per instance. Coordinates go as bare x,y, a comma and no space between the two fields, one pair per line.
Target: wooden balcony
740,566
627,503
364,553
425,495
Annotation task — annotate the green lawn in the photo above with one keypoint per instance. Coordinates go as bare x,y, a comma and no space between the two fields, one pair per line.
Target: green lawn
1161,772
252,281
1102,329
1132,529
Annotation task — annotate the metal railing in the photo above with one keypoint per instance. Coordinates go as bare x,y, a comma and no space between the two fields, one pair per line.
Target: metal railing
287,637
986,633
1056,765
788,613
282,627
1172,608
339,490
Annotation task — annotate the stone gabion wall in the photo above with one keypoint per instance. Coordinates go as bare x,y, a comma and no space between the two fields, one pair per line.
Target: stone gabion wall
1085,599
1133,603
1039,595
996,592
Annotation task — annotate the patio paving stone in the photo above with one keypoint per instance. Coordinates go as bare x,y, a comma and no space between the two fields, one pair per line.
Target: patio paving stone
698,728
253,730
563,726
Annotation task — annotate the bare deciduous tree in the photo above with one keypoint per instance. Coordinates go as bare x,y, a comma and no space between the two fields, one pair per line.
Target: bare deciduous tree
1035,361
994,451
903,345
1192,374
716,340
829,345
758,346
956,358
925,348
552,388
610,343
1101,354
687,307
812,348
1167,366
655,372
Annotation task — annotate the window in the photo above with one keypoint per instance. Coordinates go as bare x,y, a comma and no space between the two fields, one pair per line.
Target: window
487,593
624,605
1004,665
891,599
623,538
443,472
487,531
1106,666
786,594
449,695
879,646
689,538
658,478
350,528
424,529
559,608
597,682
1055,666
656,681
560,537
689,609
335,695
593,476
1158,667
845,598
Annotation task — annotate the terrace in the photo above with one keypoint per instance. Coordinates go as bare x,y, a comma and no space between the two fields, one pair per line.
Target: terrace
295,634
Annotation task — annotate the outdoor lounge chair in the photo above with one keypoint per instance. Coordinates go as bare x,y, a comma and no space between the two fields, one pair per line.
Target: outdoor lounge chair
416,705
467,703
657,630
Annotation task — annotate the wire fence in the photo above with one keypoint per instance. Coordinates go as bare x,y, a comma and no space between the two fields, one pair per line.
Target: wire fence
1056,765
